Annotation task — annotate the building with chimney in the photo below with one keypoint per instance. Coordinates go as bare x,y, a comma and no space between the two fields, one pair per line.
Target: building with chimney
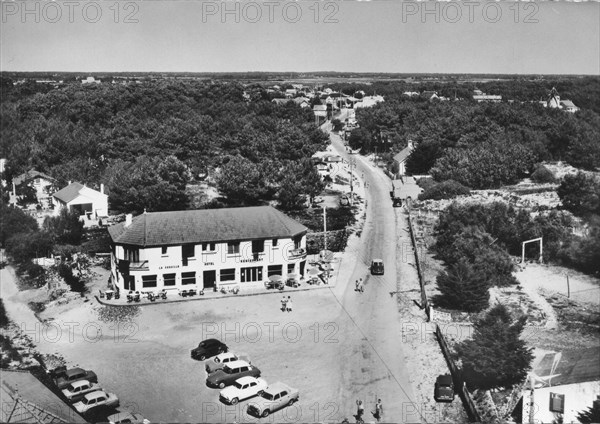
206,249
89,203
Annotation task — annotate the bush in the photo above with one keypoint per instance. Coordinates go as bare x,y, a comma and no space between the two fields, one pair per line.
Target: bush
23,247
444,190
3,317
543,175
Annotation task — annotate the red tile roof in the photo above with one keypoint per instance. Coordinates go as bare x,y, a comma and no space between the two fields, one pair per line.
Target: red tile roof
206,225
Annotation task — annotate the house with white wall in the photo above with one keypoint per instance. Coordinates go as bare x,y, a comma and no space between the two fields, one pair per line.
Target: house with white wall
402,157
87,202
561,385
42,184
206,249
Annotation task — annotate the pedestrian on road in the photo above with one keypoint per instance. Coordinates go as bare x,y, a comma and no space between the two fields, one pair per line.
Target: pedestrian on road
360,410
356,286
283,304
361,288
288,304
378,414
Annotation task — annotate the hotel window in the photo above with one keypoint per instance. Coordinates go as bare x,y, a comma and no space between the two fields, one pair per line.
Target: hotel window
275,242
291,268
169,279
274,270
233,248
148,281
208,247
227,274
132,254
297,242
188,278
251,274
187,252
258,246
163,250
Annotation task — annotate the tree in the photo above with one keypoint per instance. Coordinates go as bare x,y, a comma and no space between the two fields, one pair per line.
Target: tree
14,221
461,288
496,357
66,228
591,415
290,194
26,246
155,184
580,194
241,181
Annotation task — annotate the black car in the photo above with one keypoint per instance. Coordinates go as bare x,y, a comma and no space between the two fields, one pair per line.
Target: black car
377,267
444,389
208,348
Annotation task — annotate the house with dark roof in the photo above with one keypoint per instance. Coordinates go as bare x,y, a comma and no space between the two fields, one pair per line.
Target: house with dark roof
206,249
86,201
26,400
561,385
402,157
43,185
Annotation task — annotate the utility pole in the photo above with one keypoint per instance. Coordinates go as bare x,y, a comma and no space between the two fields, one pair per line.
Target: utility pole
351,181
568,288
324,227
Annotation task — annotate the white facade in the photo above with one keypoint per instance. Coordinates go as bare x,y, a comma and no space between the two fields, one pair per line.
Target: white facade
578,397
88,202
247,264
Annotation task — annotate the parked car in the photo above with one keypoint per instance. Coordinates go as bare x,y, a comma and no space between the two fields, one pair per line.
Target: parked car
77,389
227,375
62,376
444,389
243,388
208,348
96,399
127,417
377,267
221,360
273,398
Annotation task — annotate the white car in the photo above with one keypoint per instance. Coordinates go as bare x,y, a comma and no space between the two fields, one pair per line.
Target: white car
273,398
243,388
127,417
95,399
78,389
219,361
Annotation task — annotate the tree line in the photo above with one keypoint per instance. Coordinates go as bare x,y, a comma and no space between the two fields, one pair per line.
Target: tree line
147,141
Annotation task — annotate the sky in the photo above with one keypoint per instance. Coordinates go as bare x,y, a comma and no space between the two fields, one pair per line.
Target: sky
301,36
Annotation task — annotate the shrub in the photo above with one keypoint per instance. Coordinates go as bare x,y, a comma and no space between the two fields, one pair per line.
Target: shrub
462,288
444,190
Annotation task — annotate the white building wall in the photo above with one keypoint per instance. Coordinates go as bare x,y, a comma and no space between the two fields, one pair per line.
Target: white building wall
153,262
578,397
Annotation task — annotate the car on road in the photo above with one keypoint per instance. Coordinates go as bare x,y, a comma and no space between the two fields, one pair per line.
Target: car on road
127,417
273,398
243,388
62,376
221,360
377,267
95,399
227,375
75,391
444,389
208,348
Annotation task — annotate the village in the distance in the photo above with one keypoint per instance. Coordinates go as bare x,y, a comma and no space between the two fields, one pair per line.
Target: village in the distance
305,247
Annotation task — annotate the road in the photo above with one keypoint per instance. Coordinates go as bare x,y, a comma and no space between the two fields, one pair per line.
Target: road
335,347
378,371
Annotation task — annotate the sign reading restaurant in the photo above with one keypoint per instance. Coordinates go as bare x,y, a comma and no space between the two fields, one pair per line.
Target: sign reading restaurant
206,248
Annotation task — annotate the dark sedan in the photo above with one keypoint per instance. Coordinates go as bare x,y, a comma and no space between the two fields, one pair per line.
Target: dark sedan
227,375
444,389
208,348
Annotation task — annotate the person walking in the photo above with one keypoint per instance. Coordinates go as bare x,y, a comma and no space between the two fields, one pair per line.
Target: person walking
360,410
283,304
361,288
356,286
288,304
378,414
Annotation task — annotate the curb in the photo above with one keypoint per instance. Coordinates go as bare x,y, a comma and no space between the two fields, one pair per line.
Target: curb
164,302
